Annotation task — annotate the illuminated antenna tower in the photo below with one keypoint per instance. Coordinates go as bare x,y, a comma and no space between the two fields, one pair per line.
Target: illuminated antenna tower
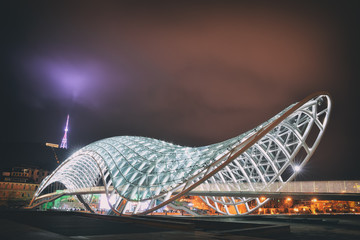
64,140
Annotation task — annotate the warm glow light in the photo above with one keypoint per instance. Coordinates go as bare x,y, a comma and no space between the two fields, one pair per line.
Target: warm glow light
288,199
52,145
314,200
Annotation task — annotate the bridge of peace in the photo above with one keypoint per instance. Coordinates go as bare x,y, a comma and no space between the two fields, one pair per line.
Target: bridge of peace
140,176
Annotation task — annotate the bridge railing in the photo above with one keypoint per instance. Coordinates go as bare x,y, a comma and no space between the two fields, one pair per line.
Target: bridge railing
297,186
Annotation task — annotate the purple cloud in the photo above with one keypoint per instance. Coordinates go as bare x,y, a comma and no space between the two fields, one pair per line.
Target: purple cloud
78,80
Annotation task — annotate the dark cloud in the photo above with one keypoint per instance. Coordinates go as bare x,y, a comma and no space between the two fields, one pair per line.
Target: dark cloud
193,73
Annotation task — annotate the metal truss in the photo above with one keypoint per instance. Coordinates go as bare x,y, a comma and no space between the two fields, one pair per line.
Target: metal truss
149,174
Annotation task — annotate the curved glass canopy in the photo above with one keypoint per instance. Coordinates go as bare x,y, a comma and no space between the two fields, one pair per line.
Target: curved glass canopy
153,173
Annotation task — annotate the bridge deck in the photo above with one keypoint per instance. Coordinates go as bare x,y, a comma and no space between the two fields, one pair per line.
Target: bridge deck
322,190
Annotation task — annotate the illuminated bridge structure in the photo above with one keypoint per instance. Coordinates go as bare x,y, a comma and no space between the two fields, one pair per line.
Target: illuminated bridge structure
150,174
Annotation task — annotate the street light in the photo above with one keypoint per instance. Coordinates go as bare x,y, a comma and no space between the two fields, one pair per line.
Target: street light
297,168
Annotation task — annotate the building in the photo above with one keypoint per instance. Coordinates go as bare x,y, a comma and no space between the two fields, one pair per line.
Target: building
141,175
25,174
18,186
16,194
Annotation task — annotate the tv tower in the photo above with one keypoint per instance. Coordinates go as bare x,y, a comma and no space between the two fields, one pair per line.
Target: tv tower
64,140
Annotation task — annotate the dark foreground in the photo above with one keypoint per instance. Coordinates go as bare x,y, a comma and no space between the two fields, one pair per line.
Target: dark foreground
67,225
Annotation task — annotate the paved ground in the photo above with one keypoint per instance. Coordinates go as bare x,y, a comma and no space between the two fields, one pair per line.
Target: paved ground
58,225
317,227
40,225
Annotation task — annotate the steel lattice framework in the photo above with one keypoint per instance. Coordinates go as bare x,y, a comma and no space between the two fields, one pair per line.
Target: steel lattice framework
153,173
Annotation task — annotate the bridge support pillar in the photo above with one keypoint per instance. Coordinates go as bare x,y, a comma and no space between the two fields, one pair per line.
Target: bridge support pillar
81,199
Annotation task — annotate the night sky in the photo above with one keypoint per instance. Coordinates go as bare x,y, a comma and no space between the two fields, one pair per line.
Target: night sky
189,72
